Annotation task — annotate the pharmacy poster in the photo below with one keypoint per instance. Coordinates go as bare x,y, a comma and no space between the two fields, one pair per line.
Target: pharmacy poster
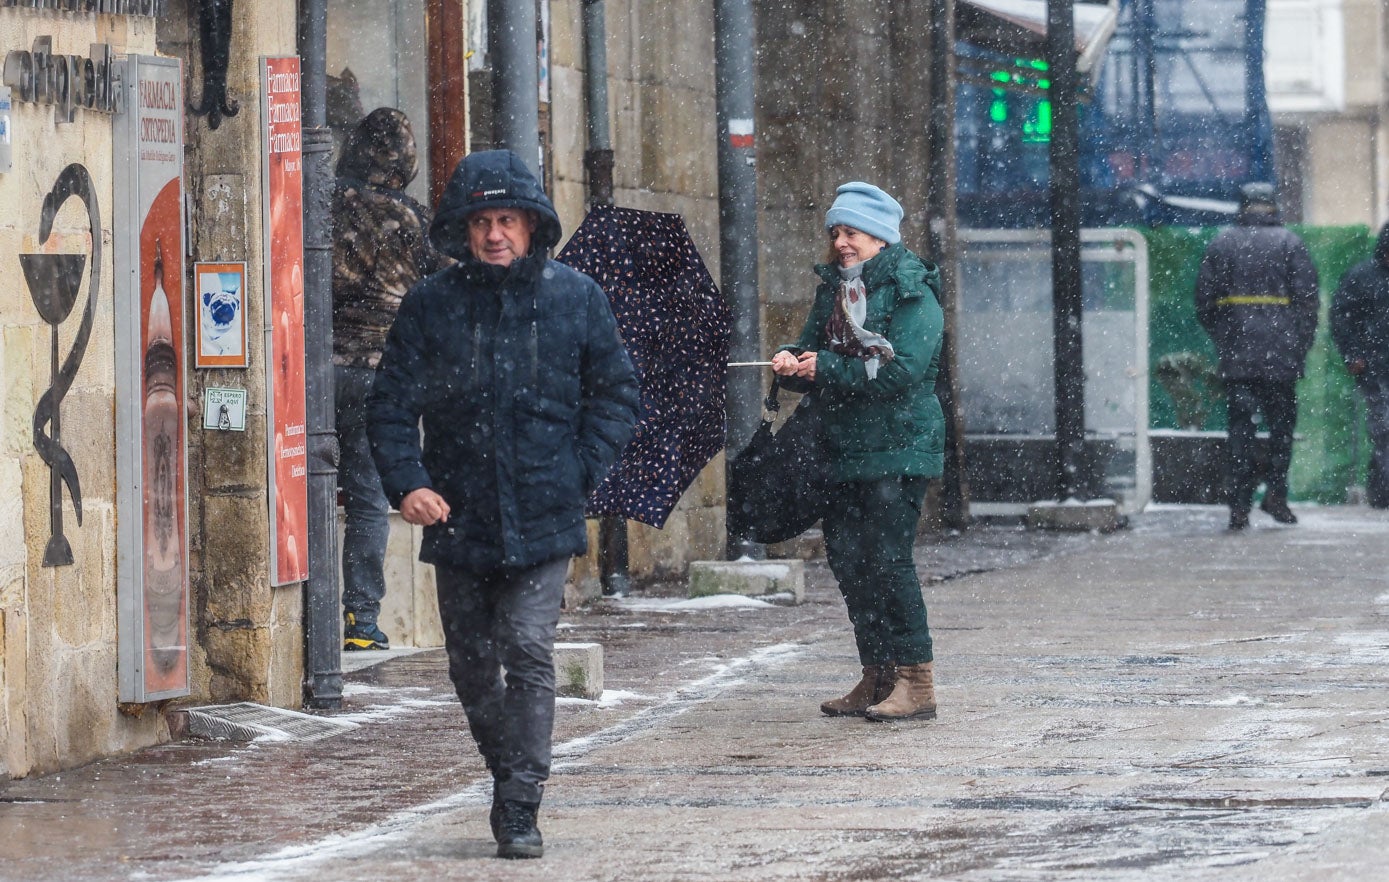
283,189
151,368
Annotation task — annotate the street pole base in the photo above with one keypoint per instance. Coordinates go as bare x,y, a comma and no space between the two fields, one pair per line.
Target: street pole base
741,548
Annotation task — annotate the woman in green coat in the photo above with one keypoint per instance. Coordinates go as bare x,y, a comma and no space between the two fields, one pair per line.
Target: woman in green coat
869,352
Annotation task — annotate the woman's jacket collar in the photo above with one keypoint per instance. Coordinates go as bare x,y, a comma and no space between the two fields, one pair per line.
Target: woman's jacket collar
876,270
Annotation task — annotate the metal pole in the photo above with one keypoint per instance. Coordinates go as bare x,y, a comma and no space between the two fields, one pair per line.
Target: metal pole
734,68
1072,474
598,159
322,640
945,251
1260,126
511,35
1145,57
613,564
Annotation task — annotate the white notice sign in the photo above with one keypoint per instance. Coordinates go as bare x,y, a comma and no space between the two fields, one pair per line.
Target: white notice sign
224,409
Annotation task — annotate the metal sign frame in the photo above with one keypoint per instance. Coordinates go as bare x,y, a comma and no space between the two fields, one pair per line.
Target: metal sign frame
282,209
219,302
151,355
1097,245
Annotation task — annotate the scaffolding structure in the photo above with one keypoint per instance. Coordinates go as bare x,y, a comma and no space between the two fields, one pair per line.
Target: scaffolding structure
1174,118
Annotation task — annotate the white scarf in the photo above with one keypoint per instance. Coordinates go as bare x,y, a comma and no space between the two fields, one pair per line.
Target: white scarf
853,298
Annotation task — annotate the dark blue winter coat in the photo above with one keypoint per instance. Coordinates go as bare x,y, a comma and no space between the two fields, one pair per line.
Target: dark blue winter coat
519,377
1257,298
1360,311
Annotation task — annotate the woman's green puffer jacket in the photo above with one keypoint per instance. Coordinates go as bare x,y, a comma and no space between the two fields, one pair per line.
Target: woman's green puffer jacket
892,424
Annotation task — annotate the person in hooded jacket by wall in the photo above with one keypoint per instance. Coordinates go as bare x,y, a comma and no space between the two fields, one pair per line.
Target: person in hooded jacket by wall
514,365
1257,298
380,249
869,352
1360,327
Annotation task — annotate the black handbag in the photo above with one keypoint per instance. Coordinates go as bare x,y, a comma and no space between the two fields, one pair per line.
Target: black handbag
779,485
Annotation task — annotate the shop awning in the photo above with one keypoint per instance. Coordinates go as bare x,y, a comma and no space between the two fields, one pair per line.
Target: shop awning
1019,27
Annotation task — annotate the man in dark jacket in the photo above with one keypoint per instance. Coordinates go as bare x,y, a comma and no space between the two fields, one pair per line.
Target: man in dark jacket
380,249
1360,327
1257,298
513,364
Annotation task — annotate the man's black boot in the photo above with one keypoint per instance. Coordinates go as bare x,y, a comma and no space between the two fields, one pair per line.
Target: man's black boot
517,835
1277,507
1239,519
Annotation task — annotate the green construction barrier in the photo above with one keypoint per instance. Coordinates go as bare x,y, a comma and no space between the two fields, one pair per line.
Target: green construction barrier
1332,451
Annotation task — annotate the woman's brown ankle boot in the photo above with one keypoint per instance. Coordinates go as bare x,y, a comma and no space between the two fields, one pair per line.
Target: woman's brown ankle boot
875,685
913,698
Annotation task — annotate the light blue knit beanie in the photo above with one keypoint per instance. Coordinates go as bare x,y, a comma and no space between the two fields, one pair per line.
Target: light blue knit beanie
868,209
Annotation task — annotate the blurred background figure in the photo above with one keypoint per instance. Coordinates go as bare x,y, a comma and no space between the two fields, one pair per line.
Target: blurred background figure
1257,298
380,249
1360,327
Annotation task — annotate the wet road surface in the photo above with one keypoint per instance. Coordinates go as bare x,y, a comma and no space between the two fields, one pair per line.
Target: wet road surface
1168,702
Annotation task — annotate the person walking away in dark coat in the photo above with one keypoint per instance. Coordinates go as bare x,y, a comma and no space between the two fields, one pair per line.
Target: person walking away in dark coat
1257,298
1360,327
514,365
380,249
870,352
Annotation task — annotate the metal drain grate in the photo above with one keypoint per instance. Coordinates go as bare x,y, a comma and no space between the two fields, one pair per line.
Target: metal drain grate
245,721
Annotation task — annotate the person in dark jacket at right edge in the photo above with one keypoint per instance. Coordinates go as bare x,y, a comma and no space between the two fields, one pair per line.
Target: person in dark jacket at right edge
1257,298
1360,327
514,364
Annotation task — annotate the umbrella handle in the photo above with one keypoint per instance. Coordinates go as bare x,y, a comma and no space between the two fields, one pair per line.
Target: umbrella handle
749,364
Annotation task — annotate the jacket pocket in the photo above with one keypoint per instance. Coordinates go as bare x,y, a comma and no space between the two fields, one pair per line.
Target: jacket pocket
545,432
549,479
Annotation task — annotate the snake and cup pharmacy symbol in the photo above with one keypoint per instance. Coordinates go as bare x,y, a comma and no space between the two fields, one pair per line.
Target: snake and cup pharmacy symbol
54,282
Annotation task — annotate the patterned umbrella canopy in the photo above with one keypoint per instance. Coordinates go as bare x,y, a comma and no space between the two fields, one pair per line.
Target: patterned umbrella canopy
676,327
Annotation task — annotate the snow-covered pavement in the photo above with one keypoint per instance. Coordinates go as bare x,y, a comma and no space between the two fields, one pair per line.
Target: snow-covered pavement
1171,702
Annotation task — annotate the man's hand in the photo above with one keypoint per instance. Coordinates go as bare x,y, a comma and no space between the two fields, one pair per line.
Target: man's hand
1356,366
423,507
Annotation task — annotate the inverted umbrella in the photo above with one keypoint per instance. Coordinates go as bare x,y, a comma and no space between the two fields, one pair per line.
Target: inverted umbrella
676,328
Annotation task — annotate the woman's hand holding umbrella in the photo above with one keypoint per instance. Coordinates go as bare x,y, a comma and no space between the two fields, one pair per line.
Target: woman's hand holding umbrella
787,365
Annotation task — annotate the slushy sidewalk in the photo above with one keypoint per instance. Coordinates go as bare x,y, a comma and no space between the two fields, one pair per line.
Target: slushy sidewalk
1171,701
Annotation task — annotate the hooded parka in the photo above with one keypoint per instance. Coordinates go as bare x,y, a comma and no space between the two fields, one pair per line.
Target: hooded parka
520,377
1360,311
892,424
380,236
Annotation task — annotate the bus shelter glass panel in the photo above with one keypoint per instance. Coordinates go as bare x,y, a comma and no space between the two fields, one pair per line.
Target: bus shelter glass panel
1007,372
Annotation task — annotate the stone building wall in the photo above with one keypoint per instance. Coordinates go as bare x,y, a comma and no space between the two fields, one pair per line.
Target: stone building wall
59,702
824,115
841,95
248,636
661,103
58,624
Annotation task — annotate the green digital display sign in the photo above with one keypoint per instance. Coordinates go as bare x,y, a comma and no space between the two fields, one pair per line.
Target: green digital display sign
1011,105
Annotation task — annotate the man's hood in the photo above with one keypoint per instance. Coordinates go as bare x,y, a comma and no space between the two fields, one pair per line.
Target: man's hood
491,179
381,150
